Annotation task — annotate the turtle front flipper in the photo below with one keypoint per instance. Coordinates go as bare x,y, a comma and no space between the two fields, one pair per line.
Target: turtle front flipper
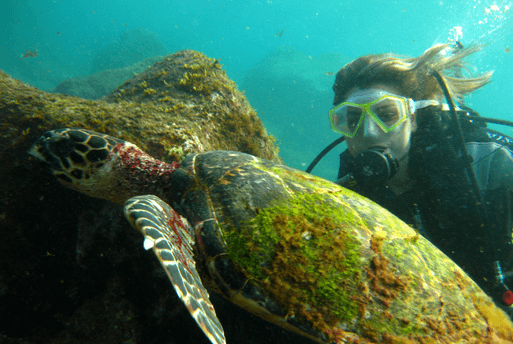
167,233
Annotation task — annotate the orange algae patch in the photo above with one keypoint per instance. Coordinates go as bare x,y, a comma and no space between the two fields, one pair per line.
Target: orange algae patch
383,281
447,327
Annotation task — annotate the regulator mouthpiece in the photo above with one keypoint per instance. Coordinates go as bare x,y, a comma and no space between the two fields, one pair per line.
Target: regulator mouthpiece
374,166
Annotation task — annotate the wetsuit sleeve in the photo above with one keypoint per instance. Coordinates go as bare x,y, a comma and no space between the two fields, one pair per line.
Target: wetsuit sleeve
493,165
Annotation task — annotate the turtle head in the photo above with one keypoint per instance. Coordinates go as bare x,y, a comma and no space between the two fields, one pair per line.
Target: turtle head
77,157
100,165
73,154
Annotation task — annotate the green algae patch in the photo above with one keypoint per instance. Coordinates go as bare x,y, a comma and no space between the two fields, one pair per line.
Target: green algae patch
304,255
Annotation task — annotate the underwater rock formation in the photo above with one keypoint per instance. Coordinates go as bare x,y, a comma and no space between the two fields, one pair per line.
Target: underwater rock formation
181,105
292,94
133,46
102,83
81,275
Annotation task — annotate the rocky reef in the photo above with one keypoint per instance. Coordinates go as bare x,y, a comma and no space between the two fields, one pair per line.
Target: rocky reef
100,84
292,94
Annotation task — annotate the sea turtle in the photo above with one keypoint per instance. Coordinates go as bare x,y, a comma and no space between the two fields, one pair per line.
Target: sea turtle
297,250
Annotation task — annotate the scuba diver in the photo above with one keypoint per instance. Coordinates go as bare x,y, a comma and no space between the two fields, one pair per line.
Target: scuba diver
429,161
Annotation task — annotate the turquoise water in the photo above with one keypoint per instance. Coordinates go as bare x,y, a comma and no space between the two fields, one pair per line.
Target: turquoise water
69,34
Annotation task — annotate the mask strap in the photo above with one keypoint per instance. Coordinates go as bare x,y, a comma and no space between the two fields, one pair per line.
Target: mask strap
419,104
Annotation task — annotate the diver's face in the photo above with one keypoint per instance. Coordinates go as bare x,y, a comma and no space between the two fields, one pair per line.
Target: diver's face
369,134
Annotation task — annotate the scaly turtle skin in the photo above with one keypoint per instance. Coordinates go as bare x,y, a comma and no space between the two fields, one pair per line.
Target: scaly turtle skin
292,248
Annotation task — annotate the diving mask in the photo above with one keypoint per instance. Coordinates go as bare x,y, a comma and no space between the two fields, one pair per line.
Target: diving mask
385,109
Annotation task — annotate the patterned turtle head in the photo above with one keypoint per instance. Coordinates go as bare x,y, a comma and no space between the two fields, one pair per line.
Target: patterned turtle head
100,165
79,158
73,154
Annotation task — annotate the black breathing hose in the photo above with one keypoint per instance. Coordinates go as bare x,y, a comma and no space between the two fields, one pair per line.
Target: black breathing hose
478,196
324,152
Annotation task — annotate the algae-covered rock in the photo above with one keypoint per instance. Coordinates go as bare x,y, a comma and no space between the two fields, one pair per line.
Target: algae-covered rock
295,88
182,105
80,276
102,83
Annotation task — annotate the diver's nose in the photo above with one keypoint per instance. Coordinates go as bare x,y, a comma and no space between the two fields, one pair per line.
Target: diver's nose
370,128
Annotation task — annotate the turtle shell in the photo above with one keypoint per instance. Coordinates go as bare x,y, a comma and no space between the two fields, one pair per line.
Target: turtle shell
321,260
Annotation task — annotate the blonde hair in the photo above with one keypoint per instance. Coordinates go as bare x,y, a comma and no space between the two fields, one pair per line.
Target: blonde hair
412,77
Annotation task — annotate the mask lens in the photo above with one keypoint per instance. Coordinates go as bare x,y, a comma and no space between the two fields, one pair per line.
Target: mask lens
345,118
389,111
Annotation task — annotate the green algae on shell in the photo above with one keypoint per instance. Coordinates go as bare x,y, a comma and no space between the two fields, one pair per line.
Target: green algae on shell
301,240
341,266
